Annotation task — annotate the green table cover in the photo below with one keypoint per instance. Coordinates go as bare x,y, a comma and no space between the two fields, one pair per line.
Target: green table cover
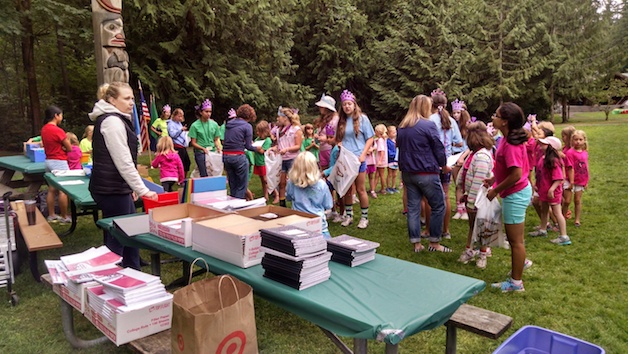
79,193
21,163
386,299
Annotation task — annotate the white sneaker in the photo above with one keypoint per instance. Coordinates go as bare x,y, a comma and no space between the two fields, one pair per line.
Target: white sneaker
456,216
464,216
363,223
467,256
346,221
481,262
337,218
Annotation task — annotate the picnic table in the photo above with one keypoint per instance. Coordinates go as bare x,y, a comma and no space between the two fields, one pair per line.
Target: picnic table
386,299
32,175
79,197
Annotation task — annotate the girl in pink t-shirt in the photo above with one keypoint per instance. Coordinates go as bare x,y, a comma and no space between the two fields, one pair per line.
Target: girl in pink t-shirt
74,155
549,186
510,181
381,157
566,134
578,174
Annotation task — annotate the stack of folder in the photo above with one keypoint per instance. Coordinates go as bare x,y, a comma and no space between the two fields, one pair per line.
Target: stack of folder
295,257
351,251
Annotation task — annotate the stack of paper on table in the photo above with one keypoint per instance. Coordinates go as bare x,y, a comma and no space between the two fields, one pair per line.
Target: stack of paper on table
73,273
351,251
295,257
126,290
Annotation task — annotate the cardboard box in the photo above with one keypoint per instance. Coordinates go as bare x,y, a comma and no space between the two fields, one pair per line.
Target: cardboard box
76,299
180,235
237,244
132,325
307,221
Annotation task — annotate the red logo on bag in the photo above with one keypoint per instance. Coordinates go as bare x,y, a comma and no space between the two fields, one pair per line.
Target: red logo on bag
180,342
232,344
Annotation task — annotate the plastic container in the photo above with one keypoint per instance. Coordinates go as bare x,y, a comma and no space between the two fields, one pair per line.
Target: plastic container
538,340
87,168
169,198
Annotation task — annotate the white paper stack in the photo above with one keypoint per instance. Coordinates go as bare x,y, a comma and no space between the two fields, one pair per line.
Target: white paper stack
295,257
133,287
351,251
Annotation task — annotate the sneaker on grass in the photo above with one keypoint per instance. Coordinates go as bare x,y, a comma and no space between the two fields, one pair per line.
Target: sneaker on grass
363,223
347,220
508,286
538,233
481,261
337,218
467,256
562,240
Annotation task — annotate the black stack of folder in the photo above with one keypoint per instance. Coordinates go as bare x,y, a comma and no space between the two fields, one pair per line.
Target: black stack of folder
295,257
351,251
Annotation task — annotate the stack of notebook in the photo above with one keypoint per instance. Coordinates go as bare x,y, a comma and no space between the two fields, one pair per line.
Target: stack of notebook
295,257
351,251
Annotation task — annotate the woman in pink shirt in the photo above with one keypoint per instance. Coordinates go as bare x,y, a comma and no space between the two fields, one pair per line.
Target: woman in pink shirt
510,181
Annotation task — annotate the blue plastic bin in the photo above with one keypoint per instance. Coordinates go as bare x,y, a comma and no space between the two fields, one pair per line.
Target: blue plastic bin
538,340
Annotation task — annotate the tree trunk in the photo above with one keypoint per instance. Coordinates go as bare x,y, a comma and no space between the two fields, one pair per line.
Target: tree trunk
64,71
563,102
28,59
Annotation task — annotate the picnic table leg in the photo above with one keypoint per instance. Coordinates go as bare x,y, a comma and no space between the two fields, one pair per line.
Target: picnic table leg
450,343
67,320
392,348
32,261
334,338
360,346
155,263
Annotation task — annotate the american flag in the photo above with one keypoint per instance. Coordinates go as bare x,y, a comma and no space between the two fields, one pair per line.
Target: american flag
144,119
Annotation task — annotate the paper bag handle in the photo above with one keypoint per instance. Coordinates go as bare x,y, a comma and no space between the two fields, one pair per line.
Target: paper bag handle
234,288
192,265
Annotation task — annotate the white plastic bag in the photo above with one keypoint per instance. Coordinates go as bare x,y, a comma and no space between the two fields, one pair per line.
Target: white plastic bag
488,221
272,160
344,172
187,139
213,164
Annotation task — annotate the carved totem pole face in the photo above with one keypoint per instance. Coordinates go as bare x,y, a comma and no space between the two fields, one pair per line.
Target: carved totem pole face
113,33
109,40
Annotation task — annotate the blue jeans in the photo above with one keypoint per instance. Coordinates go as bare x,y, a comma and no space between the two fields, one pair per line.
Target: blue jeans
237,168
199,157
116,205
428,186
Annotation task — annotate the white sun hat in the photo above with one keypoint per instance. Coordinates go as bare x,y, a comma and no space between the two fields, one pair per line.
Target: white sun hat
327,102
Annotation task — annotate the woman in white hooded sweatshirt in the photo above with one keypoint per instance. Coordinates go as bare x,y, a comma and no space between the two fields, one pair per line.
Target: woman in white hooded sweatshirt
115,183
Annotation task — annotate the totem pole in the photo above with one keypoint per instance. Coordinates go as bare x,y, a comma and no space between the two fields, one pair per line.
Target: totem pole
112,60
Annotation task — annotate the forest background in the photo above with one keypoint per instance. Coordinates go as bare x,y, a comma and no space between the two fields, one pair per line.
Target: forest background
542,55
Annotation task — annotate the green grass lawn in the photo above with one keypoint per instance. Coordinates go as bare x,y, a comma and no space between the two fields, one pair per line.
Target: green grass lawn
579,290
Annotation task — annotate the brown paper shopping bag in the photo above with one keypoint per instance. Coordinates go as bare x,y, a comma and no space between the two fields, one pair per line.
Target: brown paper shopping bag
214,316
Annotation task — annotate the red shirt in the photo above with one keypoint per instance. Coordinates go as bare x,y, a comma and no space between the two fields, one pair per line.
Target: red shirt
508,156
52,137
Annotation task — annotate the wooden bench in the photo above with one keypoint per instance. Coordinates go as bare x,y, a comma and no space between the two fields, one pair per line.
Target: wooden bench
36,237
476,320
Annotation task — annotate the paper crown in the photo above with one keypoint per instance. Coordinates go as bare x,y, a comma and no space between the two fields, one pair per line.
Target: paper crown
166,108
473,119
207,104
531,119
280,113
438,91
457,105
232,113
347,95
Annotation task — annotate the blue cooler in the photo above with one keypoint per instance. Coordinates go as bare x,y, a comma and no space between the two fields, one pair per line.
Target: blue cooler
538,340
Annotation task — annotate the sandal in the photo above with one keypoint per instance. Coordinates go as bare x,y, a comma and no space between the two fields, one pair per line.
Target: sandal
568,214
419,249
445,249
577,223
